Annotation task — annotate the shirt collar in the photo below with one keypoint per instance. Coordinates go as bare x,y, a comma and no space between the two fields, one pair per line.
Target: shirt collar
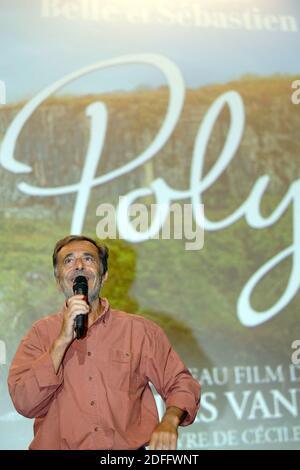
105,315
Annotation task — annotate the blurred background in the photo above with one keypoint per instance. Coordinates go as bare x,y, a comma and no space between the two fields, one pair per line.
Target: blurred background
237,342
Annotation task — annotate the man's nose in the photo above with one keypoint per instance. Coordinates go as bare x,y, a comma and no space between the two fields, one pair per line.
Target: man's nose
78,263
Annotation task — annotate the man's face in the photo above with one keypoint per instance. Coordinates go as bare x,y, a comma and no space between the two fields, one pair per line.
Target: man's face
79,258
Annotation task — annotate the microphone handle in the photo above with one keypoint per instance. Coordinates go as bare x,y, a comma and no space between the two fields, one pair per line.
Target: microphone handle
80,319
80,325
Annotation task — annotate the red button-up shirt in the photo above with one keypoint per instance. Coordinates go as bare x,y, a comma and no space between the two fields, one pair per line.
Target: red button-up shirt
100,398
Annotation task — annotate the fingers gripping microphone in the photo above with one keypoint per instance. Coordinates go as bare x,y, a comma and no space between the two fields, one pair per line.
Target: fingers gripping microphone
80,287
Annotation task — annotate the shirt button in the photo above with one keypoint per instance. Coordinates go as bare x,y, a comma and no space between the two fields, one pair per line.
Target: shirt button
90,377
96,429
89,353
92,403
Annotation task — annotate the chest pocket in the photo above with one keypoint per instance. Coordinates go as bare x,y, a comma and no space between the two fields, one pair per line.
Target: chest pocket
121,375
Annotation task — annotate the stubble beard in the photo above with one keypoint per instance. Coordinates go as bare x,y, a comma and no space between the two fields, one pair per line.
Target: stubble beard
93,293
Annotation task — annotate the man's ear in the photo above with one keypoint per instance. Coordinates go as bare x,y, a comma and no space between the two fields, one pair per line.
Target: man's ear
104,278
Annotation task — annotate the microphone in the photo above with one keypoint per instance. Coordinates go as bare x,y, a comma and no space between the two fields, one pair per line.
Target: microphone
80,287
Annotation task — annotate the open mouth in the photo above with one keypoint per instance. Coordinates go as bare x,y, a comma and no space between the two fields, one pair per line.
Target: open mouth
72,279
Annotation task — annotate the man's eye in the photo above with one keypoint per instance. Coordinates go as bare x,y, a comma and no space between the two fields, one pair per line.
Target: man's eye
67,260
89,258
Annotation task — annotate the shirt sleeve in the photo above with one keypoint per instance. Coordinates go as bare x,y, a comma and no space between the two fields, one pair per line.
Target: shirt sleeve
171,378
32,380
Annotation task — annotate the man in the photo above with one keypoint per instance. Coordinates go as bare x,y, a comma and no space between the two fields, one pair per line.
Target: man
93,392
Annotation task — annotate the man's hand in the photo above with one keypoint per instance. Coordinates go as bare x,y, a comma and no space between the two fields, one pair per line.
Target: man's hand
165,434
76,305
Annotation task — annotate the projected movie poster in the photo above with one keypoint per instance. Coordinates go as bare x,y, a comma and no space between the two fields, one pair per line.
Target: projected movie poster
169,129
